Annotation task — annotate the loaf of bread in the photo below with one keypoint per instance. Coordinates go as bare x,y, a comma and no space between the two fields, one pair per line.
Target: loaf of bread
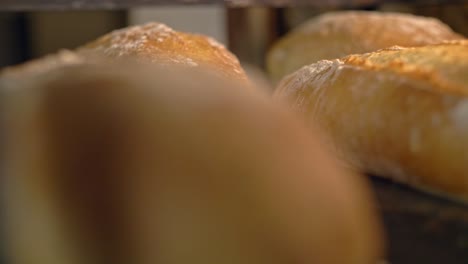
128,164
153,42
159,43
400,113
338,34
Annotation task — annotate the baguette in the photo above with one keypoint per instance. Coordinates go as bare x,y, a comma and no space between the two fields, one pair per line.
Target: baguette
127,164
400,113
338,34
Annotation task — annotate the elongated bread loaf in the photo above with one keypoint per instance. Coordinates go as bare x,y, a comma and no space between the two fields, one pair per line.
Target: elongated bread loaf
160,43
400,112
128,164
338,34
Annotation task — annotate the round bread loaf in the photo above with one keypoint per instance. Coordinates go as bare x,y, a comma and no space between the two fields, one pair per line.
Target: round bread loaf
152,42
128,164
400,113
337,34
160,43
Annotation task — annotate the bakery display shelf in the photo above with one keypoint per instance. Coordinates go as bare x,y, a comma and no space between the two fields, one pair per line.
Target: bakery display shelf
421,228
24,5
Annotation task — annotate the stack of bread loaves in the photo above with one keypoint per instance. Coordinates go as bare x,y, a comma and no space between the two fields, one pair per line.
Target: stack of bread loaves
399,112
110,159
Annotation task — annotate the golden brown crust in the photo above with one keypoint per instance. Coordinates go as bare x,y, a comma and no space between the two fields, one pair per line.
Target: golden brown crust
400,113
337,34
439,64
153,42
158,42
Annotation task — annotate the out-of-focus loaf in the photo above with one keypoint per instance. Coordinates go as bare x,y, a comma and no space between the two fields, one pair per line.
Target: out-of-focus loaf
42,65
128,164
338,34
160,43
400,113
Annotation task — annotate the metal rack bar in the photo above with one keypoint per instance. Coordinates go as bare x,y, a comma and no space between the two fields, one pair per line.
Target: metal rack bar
27,5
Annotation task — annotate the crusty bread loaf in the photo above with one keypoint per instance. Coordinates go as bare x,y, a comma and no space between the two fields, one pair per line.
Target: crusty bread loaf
152,42
338,34
158,42
399,112
124,164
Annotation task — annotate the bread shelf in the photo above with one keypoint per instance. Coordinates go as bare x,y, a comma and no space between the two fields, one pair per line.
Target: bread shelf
27,5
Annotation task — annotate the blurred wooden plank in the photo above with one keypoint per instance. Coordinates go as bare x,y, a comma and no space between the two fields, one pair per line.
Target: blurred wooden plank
422,228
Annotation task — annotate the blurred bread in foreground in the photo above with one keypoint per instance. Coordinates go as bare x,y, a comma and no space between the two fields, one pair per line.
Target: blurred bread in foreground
337,34
400,113
127,164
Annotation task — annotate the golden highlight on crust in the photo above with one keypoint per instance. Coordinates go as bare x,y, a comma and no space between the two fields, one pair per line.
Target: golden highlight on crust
411,62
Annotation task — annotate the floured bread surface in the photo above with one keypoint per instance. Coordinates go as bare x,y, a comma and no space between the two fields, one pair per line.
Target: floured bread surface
400,112
442,65
158,42
337,34
153,42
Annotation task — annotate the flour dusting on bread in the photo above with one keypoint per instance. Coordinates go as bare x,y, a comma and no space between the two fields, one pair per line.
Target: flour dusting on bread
400,113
